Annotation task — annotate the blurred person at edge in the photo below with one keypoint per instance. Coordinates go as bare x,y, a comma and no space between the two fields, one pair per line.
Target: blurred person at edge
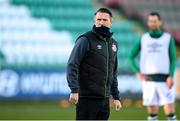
157,65
92,70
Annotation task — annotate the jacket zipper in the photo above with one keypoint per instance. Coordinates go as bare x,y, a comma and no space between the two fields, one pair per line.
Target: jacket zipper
107,67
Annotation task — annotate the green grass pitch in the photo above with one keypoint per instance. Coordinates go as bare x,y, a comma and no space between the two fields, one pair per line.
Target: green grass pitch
62,110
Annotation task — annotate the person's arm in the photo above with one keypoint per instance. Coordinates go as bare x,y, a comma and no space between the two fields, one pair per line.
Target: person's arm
77,54
133,53
114,89
114,85
172,56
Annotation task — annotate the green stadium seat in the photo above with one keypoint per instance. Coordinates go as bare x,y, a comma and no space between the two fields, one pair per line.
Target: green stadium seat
76,16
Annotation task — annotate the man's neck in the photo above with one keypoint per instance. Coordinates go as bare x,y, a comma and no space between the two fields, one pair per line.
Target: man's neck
155,33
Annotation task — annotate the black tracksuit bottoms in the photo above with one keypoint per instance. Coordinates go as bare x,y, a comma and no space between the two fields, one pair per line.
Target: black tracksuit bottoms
92,109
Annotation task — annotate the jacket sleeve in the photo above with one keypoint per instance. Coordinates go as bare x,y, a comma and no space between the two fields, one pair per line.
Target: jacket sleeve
114,86
77,54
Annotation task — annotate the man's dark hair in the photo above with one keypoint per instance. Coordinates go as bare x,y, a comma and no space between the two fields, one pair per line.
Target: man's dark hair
104,10
155,14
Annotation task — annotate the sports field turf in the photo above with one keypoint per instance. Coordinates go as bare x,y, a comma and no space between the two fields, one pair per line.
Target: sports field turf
62,110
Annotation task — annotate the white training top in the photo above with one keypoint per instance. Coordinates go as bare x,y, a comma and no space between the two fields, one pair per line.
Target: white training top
154,58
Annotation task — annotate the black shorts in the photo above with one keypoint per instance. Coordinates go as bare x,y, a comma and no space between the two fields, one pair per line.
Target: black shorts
92,109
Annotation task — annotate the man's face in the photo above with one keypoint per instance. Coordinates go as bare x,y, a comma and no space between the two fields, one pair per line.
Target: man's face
154,23
102,19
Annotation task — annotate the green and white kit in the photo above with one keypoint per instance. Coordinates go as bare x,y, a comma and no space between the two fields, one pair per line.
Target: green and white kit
157,62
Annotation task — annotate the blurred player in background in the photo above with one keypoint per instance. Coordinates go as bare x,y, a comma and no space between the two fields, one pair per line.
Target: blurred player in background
157,65
92,70
2,59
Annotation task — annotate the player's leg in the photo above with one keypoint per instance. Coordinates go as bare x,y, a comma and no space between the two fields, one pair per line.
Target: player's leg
167,99
169,110
87,109
153,111
104,112
150,99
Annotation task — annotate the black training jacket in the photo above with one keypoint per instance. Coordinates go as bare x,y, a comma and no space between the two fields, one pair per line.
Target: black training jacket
92,67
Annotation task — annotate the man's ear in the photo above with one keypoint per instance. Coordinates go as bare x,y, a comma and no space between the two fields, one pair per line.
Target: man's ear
94,19
111,22
111,19
161,23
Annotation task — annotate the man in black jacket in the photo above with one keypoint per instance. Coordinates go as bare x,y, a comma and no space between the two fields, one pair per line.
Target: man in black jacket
92,70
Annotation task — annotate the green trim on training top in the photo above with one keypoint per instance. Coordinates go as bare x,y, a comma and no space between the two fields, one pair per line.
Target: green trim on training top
155,33
172,55
137,47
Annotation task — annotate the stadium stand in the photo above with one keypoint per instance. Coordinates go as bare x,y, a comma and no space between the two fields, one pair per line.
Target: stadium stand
28,42
138,10
41,33
169,10
73,16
